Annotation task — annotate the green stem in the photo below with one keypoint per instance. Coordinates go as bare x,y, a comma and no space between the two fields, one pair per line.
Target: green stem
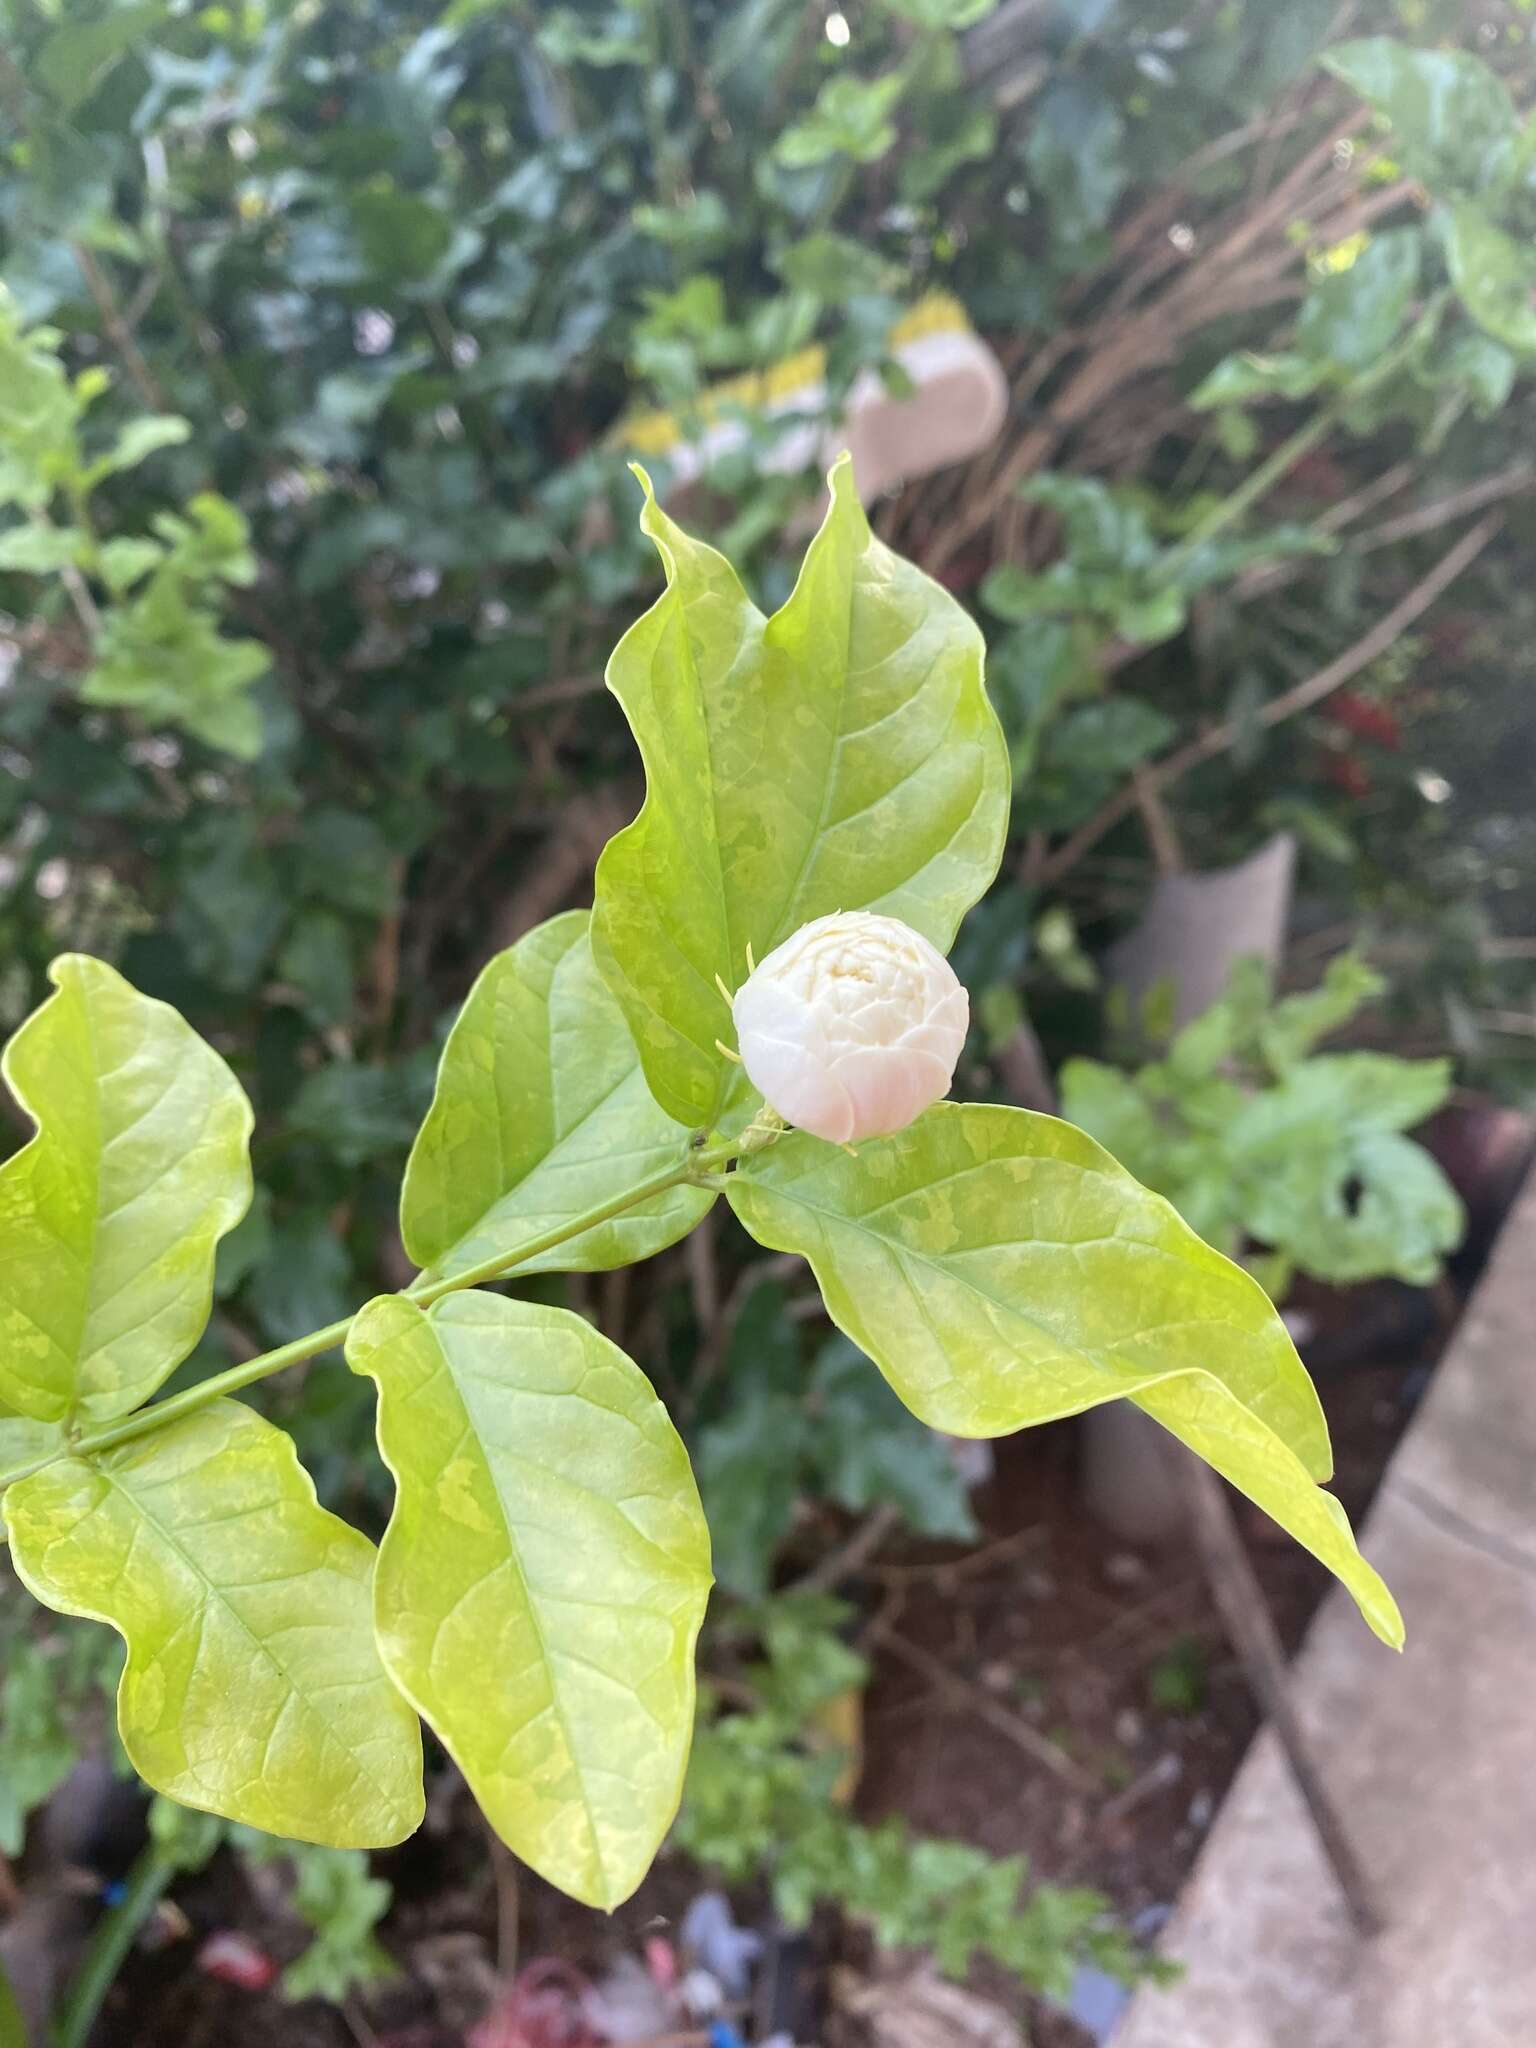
696,1170
115,1933
1258,485
1289,453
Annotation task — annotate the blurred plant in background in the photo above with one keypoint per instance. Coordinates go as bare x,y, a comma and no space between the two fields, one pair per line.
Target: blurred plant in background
1257,1141
325,333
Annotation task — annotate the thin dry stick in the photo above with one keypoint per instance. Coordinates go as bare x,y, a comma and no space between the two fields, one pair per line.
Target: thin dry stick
1509,483
699,1256
357,2024
508,1905
850,1558
140,375
1161,836
1289,704
1510,1023
80,597
1266,576
564,690
993,1712
947,1572
717,1334
1245,1613
1124,345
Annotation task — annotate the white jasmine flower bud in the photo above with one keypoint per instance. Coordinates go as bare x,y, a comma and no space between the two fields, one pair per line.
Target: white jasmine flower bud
852,1027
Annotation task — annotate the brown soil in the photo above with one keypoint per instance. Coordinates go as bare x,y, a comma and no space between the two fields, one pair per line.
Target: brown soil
1082,1635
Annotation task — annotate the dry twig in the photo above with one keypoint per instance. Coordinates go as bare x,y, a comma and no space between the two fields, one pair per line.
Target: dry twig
1289,704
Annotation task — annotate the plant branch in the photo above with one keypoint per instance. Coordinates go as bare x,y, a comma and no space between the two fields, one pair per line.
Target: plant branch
1490,490
693,1170
1261,481
140,375
113,1937
1039,1748
1288,704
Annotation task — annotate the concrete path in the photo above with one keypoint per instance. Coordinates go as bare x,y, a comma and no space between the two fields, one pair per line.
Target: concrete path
1432,1757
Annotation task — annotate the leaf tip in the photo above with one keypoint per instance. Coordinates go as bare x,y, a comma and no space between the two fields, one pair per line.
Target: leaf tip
642,477
655,525
1387,1621
64,967
841,482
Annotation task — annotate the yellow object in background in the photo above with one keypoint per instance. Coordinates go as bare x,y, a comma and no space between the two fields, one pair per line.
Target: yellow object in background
838,1723
955,408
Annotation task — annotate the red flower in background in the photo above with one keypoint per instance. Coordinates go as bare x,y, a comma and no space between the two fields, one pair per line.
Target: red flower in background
1364,718
543,2008
1346,773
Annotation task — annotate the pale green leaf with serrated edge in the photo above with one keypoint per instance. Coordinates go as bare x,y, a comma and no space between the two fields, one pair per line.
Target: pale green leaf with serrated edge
253,1686
110,1216
541,1112
543,1576
1003,1270
841,755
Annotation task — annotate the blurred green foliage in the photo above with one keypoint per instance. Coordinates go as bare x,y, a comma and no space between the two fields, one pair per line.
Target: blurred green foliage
1259,1140
777,1432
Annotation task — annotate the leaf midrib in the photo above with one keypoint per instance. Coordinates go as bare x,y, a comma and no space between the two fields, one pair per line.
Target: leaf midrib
904,1252
297,1691
515,1559
442,1261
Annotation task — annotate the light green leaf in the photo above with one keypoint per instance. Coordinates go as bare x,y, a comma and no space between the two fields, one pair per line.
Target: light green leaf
1495,275
938,15
22,1442
1379,1204
74,58
1326,1176
40,550
122,562
110,1216
336,1896
543,1577
1453,122
1297,1023
1113,1109
851,117
232,724
1237,379
1352,315
840,755
1345,1091
253,1686
140,439
834,268
1002,1271
541,1112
